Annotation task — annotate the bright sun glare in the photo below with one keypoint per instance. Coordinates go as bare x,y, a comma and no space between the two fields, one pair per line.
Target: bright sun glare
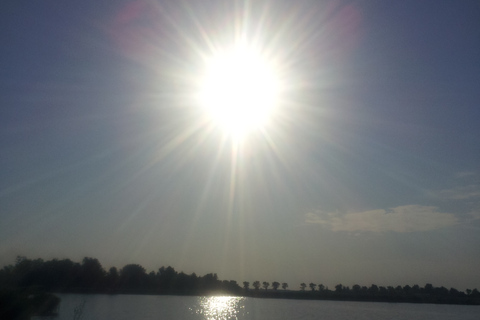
239,90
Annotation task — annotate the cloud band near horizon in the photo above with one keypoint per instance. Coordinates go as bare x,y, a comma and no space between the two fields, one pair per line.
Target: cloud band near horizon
401,219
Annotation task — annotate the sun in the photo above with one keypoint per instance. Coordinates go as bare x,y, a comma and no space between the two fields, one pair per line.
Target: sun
239,90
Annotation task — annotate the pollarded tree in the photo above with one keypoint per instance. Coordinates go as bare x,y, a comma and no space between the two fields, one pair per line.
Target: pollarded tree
256,285
303,286
246,285
284,286
265,285
275,285
312,286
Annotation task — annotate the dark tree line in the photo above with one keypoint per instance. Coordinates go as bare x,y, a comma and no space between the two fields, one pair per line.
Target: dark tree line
412,294
90,277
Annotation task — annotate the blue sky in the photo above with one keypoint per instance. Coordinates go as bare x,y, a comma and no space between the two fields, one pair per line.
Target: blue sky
368,173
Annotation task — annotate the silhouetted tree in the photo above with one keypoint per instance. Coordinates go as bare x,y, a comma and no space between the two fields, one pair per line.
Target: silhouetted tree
256,285
321,287
265,285
30,272
210,281
416,289
391,291
303,286
246,285
112,279
231,286
275,285
92,274
181,282
338,288
284,286
19,259
312,286
382,291
454,292
167,276
132,278
442,291
428,288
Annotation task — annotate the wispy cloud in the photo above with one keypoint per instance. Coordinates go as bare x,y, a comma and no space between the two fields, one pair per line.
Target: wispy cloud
475,214
461,193
409,218
464,174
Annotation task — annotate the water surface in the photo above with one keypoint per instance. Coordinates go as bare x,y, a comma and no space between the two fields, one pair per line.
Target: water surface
128,307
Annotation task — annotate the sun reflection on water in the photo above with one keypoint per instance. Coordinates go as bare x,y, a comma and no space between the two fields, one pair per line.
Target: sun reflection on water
220,308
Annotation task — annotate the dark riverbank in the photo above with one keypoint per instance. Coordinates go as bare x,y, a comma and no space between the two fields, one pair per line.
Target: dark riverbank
65,276
366,295
22,304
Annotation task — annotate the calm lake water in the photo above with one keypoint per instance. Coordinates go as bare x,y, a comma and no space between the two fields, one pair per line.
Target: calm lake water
128,307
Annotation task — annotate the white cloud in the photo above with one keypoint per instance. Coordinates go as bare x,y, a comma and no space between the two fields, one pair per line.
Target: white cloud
409,218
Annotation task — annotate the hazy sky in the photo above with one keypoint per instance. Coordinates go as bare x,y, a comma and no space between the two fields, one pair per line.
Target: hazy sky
368,172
